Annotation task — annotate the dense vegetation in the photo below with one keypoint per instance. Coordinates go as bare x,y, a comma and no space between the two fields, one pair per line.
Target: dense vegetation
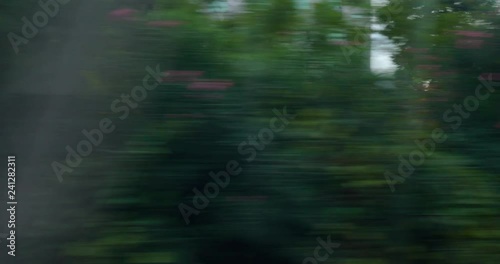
334,170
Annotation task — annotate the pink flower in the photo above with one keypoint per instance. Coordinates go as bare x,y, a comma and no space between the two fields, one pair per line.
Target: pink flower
345,43
469,43
213,85
473,34
495,76
416,50
123,14
164,23
206,96
445,73
432,67
181,76
434,58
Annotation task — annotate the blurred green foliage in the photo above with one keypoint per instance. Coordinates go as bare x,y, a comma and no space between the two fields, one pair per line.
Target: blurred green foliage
324,174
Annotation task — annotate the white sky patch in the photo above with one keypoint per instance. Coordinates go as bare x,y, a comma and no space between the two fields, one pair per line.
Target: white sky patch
382,48
379,2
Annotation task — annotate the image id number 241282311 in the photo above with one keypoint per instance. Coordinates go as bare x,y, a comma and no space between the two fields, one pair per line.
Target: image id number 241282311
11,205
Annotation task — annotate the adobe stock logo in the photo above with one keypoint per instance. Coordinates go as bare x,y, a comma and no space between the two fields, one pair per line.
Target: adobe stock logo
455,117
95,137
327,246
50,8
221,179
